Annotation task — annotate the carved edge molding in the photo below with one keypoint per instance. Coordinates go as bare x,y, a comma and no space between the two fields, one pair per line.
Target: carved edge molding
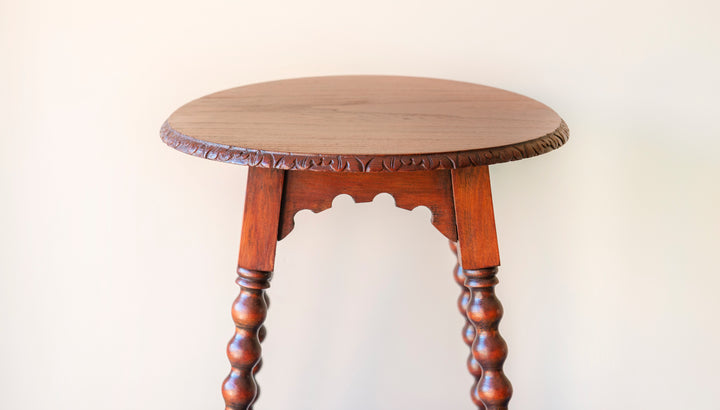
364,163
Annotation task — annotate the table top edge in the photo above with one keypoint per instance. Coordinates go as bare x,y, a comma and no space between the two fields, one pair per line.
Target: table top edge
366,162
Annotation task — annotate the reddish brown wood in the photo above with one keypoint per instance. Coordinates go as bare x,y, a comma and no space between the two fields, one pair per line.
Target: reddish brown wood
364,163
477,239
262,334
244,350
493,389
364,124
479,258
260,219
315,191
255,264
354,133
468,331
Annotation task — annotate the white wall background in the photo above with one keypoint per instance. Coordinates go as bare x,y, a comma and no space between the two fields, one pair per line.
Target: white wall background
117,252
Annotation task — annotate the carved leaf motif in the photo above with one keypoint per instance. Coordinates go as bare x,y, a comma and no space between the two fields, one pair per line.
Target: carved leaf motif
363,163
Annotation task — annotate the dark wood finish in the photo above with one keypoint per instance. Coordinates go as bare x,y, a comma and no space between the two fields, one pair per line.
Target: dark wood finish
461,204
244,351
355,132
255,264
262,334
489,349
475,218
316,190
468,331
479,258
364,124
260,219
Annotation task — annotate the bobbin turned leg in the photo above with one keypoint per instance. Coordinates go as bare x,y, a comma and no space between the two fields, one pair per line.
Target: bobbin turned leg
262,333
255,266
468,331
479,258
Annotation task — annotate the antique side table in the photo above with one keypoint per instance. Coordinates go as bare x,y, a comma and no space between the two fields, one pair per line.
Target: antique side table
424,141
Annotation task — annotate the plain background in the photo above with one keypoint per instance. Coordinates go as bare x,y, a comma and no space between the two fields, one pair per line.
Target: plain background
117,255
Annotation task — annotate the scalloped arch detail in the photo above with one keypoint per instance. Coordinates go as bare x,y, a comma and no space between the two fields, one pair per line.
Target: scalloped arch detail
316,191
288,222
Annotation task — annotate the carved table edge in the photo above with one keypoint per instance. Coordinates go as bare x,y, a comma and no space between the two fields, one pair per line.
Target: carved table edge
364,163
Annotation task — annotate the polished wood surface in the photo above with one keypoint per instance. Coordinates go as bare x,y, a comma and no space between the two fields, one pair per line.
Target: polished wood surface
475,218
364,124
460,201
255,264
249,311
354,132
260,219
489,349
461,205
468,330
316,190
479,258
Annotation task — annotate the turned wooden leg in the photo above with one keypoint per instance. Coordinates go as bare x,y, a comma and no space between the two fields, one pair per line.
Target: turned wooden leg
255,266
262,333
479,259
489,348
468,331
248,312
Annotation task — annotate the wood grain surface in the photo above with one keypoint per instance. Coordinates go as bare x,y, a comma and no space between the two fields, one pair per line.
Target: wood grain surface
364,124
451,131
261,217
477,247
316,190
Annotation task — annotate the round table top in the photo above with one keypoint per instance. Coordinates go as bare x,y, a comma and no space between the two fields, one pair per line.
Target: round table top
364,124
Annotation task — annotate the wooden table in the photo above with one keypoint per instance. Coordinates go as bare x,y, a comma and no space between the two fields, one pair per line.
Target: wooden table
424,141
